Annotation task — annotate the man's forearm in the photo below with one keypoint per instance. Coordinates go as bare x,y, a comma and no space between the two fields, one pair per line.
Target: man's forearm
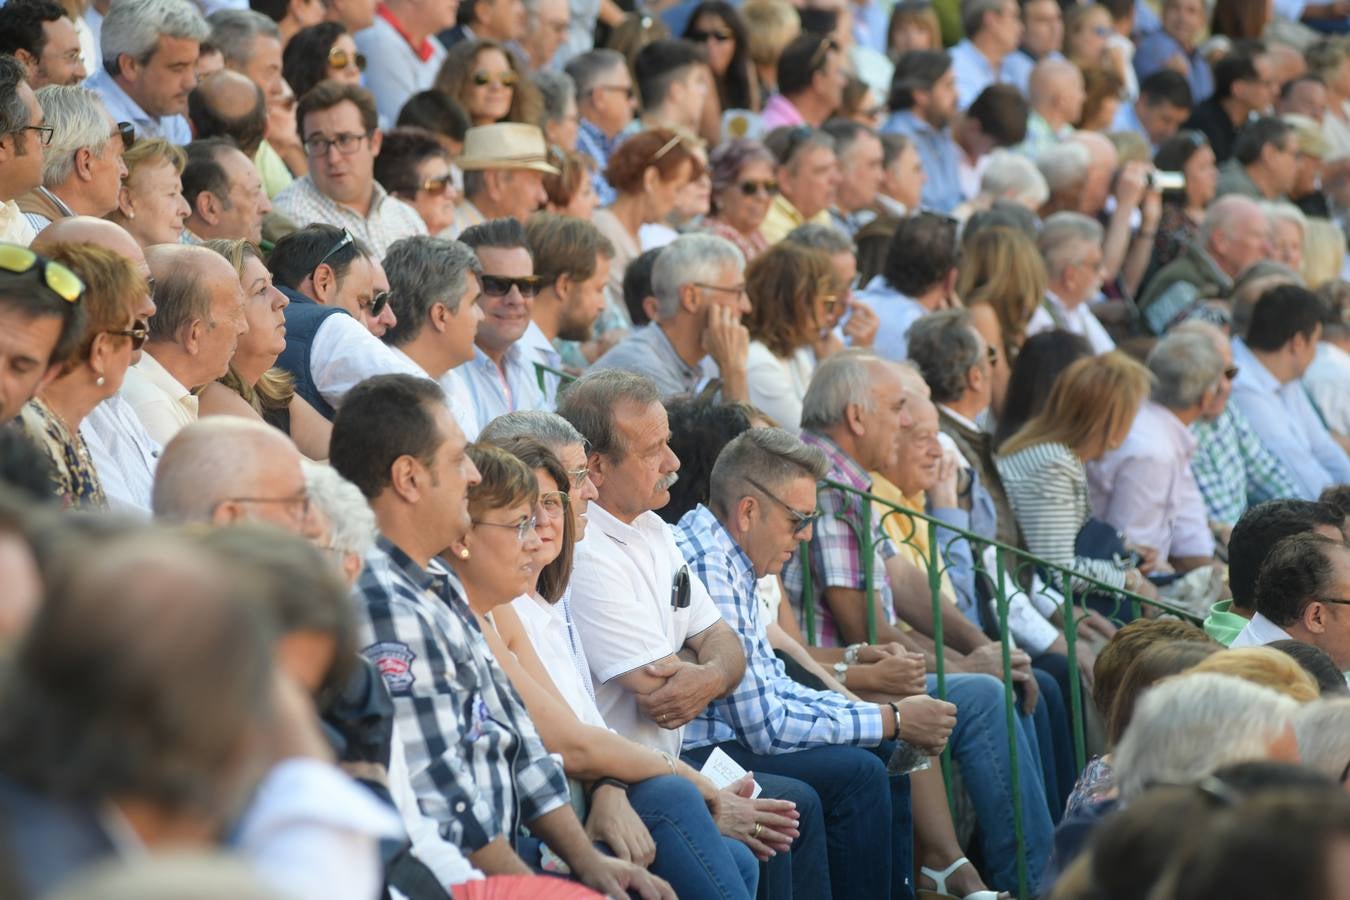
722,652
497,858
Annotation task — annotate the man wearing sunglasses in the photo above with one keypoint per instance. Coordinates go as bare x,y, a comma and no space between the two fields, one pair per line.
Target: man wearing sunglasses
606,102
82,167
22,140
334,311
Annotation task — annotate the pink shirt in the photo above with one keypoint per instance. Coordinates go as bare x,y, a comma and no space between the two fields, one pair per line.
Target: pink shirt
780,111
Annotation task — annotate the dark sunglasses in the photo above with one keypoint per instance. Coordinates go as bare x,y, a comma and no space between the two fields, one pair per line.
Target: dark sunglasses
483,78
679,588
127,132
751,188
61,281
716,34
377,304
500,285
345,240
438,185
341,59
800,520
138,332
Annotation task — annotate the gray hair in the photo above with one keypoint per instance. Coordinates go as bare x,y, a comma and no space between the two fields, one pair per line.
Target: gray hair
79,120
972,14
351,521
727,160
841,380
549,429
556,89
1187,726
821,237
1062,238
134,27
1064,165
1011,176
589,403
233,32
1184,367
587,69
13,111
944,347
1322,728
688,259
422,272
1225,213
770,456
1284,211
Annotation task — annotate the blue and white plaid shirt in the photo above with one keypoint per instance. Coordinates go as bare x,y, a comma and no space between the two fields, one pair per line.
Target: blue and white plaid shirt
477,765
768,712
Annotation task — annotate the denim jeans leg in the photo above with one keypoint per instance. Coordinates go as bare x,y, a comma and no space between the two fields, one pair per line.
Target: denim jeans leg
980,745
902,828
856,798
803,873
691,853
1055,733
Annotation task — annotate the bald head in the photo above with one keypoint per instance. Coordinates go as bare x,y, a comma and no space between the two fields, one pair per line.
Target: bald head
226,469
228,104
1055,81
1235,232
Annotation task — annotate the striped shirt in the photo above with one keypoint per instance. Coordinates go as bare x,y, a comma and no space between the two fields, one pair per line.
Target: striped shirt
477,764
1047,487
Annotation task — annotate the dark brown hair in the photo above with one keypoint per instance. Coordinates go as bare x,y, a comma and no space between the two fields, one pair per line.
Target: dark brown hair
554,577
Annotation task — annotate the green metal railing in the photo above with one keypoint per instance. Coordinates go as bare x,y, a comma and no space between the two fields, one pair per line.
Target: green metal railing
1011,576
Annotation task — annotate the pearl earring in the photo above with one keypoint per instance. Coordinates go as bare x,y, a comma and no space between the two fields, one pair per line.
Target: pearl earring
463,552
99,381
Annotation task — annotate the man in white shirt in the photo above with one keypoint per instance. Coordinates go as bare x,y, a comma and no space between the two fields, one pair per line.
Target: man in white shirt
124,454
199,316
434,290
1071,244
1303,594
639,610
340,130
22,139
571,258
1145,488
334,311
402,51
152,47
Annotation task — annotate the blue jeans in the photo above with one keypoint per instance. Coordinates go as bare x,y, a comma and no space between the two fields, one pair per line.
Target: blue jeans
802,873
980,746
867,823
691,854
1054,729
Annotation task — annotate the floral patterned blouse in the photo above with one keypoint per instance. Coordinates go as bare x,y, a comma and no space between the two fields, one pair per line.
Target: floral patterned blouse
74,478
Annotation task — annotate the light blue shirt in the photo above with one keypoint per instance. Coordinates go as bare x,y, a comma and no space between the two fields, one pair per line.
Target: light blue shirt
939,155
1018,65
1153,52
895,314
1287,424
122,108
974,72
494,393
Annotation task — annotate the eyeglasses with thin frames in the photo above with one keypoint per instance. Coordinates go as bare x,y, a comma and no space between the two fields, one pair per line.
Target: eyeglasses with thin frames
800,520
521,528
578,476
300,500
553,503
738,290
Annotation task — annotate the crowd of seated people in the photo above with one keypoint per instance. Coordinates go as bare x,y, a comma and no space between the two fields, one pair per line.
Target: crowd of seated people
886,448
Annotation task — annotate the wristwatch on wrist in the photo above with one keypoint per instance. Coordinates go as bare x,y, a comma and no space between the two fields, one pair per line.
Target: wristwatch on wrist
841,672
851,654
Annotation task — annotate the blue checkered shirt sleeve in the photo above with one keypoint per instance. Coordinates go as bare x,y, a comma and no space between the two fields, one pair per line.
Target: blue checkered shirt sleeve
477,764
768,711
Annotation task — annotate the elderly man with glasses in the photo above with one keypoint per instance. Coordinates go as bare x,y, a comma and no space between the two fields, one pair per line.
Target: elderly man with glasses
339,128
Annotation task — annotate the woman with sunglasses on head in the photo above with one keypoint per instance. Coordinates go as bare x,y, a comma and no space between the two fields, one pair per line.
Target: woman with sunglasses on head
415,167
484,77
717,27
743,188
792,291
253,387
318,53
110,291
648,807
150,205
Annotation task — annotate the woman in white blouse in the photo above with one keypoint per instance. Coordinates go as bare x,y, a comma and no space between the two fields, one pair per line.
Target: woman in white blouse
792,292
1091,407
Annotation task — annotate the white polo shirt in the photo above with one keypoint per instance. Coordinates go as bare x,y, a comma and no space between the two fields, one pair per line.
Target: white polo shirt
621,603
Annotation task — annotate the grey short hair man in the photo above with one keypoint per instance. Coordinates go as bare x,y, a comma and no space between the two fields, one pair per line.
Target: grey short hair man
1064,167
1145,486
433,289
699,285
1186,727
1010,176
150,50
82,167
1321,727
1071,245
251,45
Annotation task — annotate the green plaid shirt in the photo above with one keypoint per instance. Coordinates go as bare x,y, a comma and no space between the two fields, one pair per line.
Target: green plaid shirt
1234,469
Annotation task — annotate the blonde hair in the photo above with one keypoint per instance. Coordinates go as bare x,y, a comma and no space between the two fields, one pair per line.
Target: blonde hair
771,25
1264,666
1002,269
152,150
1323,252
276,388
1091,400
784,283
